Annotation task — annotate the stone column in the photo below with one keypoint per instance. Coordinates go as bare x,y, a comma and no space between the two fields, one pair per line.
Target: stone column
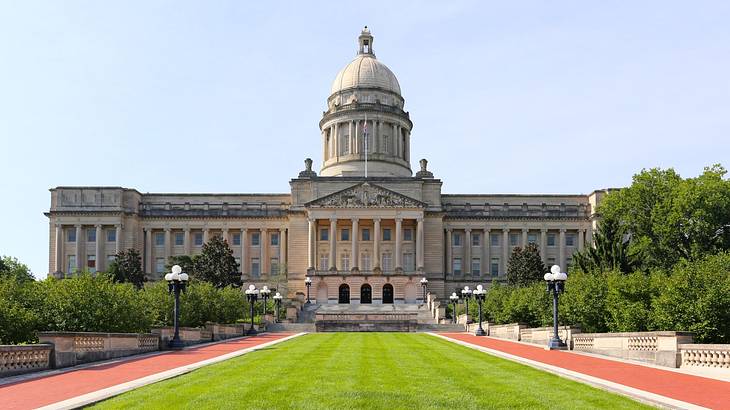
543,244
581,233
376,244
487,259
99,250
311,255
120,240
399,243
376,137
148,250
168,244
420,245
467,252
264,246
244,251
58,249
354,240
186,241
396,144
351,137
79,242
562,249
206,235
356,148
449,252
401,145
505,250
282,249
333,244
224,233
337,140
524,237
589,235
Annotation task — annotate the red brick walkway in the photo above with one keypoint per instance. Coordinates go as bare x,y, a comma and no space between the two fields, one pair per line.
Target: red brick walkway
696,390
55,388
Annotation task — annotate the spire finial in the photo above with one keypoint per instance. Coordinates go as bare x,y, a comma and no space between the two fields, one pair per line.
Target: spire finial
366,42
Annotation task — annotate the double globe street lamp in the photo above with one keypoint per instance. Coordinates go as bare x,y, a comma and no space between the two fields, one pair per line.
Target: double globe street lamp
480,294
252,294
308,283
176,283
555,280
265,292
454,299
466,294
277,301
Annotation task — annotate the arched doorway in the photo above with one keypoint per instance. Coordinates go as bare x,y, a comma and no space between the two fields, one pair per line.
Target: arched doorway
366,294
344,294
387,293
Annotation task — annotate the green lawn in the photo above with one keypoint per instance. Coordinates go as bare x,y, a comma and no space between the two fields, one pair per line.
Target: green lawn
368,371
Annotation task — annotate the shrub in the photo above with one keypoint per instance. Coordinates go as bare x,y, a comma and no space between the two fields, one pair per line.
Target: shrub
18,313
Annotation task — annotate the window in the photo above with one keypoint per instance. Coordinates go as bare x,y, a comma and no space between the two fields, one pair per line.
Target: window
476,266
255,267
324,234
91,263
408,262
159,238
274,265
71,235
256,239
457,266
275,239
179,239
345,234
237,239
514,239
198,238
551,239
366,234
386,234
494,239
408,234
494,269
111,235
159,265
345,259
387,262
110,259
386,144
476,239
324,262
345,145
91,235
570,239
532,238
456,239
365,261
71,263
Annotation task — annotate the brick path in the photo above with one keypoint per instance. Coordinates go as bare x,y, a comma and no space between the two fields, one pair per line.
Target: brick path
51,389
696,390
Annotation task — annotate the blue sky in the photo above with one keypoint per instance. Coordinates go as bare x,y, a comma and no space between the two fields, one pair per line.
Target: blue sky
225,96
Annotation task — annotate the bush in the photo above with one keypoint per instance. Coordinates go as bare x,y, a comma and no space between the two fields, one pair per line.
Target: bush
584,302
18,313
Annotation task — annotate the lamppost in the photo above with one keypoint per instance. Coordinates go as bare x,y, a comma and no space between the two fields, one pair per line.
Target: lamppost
454,299
308,282
176,282
277,301
252,294
265,292
424,283
555,280
480,294
466,294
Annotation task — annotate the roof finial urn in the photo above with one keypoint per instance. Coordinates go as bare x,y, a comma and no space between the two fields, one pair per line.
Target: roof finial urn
424,172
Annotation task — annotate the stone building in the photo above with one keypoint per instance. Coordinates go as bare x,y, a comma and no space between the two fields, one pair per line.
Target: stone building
366,229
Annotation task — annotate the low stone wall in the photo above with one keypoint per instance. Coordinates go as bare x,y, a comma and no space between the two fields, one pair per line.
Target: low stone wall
73,348
188,335
221,332
699,355
661,348
366,322
21,359
510,331
542,335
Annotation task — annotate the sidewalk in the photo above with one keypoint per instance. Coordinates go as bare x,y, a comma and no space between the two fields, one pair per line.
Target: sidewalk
630,379
56,388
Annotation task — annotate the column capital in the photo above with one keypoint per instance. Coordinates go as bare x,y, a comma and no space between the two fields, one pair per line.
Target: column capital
77,226
355,219
399,219
562,230
543,230
467,230
449,230
525,230
186,229
505,230
282,230
333,220
244,230
419,218
168,229
376,220
97,225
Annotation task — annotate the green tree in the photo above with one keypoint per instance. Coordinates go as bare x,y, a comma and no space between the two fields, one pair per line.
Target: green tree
525,266
19,306
11,268
610,250
186,263
127,268
216,264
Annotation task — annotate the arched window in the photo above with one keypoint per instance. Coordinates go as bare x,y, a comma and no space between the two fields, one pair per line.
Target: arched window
386,144
366,294
344,296
387,293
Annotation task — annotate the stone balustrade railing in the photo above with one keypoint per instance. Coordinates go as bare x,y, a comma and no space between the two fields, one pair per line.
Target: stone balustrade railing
705,355
542,335
21,359
661,348
72,348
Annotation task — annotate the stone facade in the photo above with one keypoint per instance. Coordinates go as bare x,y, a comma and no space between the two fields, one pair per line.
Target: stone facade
365,229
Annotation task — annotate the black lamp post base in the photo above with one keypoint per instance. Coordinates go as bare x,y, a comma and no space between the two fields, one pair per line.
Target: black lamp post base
556,344
175,344
251,331
480,332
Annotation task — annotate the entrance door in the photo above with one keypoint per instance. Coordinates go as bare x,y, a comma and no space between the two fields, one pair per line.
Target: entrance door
366,294
387,293
344,294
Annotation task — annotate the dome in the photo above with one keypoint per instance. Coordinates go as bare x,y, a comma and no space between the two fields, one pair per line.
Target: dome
365,71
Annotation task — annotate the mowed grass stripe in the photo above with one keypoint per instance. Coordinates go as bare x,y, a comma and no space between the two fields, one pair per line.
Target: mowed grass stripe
368,371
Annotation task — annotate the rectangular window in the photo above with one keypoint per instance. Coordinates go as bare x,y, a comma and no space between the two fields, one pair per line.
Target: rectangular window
324,234
475,239
256,239
179,239
255,267
109,260
457,266
365,234
345,234
345,261
237,239
387,262
494,239
71,235
570,239
198,239
408,262
532,238
408,234
71,264
91,235
494,269
514,239
551,239
91,263
324,262
160,239
386,145
274,266
111,235
476,266
159,265
386,234
366,261
275,239
456,239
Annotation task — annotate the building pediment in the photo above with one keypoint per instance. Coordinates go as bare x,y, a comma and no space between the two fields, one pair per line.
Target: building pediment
365,195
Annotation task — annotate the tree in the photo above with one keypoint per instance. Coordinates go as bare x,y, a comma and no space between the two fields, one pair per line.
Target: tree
525,266
610,250
186,263
215,264
127,267
11,268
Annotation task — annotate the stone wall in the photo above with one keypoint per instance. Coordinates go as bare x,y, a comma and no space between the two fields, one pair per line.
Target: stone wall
661,348
73,348
699,355
366,322
510,331
16,360
542,335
